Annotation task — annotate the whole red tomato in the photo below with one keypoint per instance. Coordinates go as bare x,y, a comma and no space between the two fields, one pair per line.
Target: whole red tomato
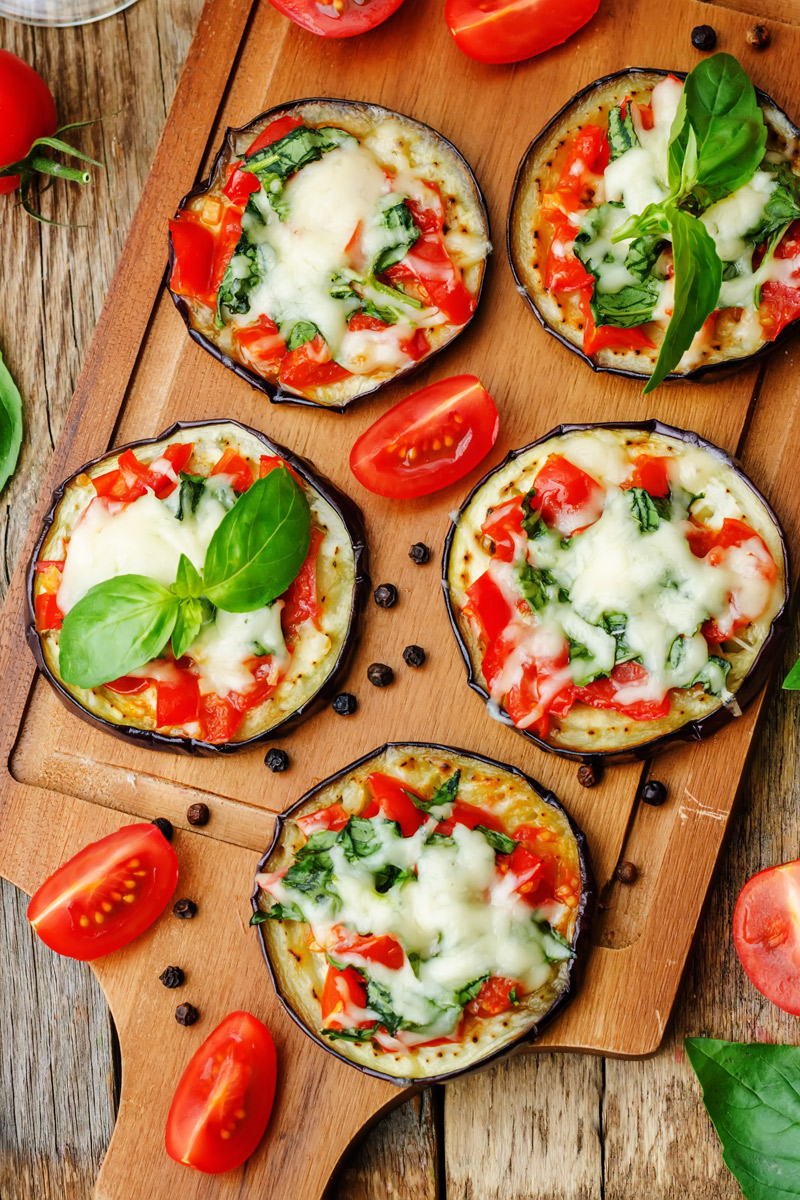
27,112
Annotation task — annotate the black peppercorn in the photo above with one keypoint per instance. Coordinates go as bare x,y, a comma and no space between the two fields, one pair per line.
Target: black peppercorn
627,872
185,909
759,36
380,675
589,774
385,596
653,792
420,554
186,1014
414,656
704,37
345,704
171,978
198,814
164,825
277,760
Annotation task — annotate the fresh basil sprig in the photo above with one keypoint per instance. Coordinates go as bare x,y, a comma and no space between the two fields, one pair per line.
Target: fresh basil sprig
752,1094
254,554
10,424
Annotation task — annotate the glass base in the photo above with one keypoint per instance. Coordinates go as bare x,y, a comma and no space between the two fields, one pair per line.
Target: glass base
61,13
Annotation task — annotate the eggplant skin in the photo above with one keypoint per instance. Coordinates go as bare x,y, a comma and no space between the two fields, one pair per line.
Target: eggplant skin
295,970
329,505
588,734
533,178
465,211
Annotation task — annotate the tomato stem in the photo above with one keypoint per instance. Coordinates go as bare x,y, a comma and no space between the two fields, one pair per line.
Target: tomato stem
36,164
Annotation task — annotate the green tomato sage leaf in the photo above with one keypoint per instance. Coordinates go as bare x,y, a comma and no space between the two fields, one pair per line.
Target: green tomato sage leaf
259,546
118,625
752,1094
10,424
698,277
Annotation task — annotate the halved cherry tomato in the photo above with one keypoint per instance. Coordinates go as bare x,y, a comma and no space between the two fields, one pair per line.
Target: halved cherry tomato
237,468
390,799
428,264
343,19
48,614
333,817
766,933
504,527
107,894
384,949
342,992
300,602
311,365
602,693
427,441
568,498
650,472
495,997
223,1102
505,31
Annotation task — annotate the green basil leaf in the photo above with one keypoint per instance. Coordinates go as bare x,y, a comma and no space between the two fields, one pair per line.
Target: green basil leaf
781,209
534,583
118,625
719,106
752,1094
278,912
714,675
698,278
359,838
379,999
301,332
402,233
10,424
650,222
644,510
498,841
444,794
188,624
533,523
190,490
792,681
348,1035
470,990
259,546
188,581
389,876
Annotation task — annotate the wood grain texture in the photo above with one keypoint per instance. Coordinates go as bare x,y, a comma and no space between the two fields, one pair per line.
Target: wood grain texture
610,1112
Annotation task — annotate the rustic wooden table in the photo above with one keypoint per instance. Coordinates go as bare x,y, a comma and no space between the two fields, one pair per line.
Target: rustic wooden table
561,1127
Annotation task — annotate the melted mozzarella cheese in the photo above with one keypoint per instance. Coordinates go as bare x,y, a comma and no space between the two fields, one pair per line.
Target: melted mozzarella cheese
223,647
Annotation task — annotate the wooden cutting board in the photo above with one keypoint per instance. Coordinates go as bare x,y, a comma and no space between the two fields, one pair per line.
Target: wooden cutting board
64,784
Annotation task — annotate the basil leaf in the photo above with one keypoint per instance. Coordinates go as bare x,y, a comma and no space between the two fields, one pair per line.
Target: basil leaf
714,675
403,232
440,839
792,681
189,493
278,912
632,304
10,424
533,583
259,546
470,990
188,581
245,270
781,209
621,133
533,524
118,625
359,838
752,1095
649,510
312,875
390,876
348,1035
188,624
677,652
650,222
444,794
498,841
698,277
301,332
560,949
719,106
272,165
379,999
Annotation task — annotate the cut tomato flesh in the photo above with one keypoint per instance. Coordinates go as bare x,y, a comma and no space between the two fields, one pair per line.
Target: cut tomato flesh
470,816
496,996
383,949
47,613
232,464
333,817
391,799
603,693
651,473
504,527
178,703
766,934
193,249
311,365
300,602
428,264
568,499
261,344
343,992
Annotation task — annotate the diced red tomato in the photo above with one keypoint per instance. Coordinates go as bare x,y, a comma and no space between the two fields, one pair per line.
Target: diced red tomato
390,799
650,472
333,817
311,365
504,527
132,478
273,132
48,614
240,185
588,156
178,702
563,271
568,499
489,606
362,320
342,992
428,217
264,684
780,305
193,248
269,462
300,602
428,264
417,346
756,562
128,685
469,815
495,997
44,564
385,949
238,468
602,693
220,719
261,344
610,337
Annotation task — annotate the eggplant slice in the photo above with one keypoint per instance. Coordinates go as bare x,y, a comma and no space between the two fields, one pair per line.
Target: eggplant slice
298,961
396,143
739,337
586,732
320,656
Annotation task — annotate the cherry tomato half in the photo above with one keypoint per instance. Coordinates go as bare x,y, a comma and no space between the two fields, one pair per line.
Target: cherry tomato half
224,1099
427,441
766,934
27,112
344,18
108,894
505,31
